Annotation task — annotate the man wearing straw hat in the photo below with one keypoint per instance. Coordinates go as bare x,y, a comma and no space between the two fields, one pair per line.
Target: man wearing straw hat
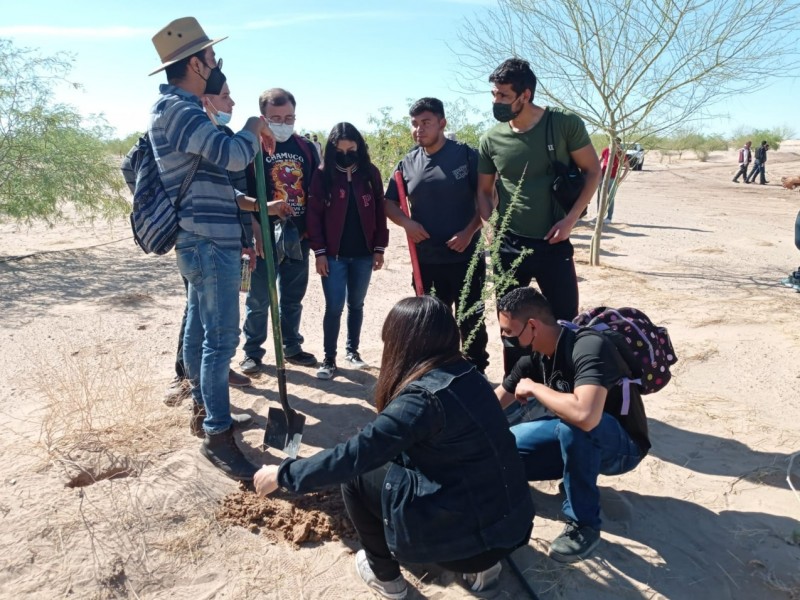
209,243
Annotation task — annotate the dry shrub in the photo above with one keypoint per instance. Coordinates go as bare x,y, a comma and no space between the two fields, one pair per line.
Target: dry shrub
103,416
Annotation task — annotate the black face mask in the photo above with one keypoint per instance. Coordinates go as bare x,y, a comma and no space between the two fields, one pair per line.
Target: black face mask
503,112
216,79
512,341
346,159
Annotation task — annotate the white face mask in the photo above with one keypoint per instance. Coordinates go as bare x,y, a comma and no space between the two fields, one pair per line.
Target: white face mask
282,131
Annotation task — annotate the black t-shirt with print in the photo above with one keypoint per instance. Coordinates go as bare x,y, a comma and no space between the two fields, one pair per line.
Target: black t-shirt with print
593,361
441,194
288,172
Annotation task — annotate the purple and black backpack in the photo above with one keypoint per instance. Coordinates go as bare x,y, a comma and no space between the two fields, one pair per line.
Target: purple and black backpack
645,347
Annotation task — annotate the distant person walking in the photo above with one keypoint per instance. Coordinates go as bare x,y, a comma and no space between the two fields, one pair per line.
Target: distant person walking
317,145
604,157
759,165
745,156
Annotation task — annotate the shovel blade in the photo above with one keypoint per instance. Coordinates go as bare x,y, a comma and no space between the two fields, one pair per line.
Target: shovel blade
284,431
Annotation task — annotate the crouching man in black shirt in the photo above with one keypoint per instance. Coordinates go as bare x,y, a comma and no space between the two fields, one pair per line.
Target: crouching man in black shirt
590,429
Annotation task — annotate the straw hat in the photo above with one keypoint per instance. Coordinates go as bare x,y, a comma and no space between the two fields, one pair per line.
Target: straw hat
181,38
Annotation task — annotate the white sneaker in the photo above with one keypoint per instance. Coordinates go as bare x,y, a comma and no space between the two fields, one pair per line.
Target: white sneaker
354,360
396,589
326,369
479,582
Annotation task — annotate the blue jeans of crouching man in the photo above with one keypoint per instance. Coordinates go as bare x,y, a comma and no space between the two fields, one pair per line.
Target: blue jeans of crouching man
212,323
552,449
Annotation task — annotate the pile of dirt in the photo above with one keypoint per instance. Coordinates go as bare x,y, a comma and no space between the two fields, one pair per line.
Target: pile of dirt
315,517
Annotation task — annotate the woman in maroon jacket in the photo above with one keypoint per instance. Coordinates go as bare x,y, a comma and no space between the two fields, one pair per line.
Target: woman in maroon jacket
348,234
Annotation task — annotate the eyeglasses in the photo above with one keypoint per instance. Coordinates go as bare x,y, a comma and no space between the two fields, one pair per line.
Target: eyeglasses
217,61
288,119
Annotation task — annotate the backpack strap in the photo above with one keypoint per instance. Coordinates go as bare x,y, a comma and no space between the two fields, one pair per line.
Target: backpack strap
611,338
549,139
188,180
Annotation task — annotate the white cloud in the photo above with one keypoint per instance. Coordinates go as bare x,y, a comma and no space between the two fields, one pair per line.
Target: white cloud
282,21
116,31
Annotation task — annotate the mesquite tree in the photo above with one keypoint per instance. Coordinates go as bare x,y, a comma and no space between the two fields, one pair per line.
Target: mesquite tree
633,68
48,159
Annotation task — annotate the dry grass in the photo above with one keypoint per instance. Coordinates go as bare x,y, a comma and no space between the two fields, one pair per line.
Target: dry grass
135,519
103,417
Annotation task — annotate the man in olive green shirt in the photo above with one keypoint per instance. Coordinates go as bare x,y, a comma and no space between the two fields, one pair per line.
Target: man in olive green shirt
512,155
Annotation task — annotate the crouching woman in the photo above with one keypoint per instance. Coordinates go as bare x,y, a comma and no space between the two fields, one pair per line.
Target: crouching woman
436,477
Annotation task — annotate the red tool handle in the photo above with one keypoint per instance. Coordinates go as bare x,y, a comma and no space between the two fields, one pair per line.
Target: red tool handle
412,247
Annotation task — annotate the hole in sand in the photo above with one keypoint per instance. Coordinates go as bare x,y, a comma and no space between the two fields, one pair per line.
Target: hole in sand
87,477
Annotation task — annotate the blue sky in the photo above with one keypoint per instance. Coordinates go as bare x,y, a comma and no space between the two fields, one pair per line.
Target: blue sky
343,59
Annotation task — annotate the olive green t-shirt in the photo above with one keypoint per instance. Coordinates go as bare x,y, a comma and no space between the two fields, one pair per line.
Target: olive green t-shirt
511,154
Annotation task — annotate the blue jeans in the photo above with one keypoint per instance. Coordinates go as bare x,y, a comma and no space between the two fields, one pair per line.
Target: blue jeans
610,212
348,279
552,449
292,285
758,169
212,323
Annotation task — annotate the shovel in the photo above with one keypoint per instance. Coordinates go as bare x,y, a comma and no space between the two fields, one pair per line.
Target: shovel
412,247
284,425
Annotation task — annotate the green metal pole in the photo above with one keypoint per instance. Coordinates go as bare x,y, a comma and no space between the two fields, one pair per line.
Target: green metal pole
269,259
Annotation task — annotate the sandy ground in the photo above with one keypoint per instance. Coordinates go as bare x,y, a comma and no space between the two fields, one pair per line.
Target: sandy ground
88,336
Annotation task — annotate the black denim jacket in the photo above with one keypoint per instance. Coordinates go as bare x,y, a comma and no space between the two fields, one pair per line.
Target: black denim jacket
455,486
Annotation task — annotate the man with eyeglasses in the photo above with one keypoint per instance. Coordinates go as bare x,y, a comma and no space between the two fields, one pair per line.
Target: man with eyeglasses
288,175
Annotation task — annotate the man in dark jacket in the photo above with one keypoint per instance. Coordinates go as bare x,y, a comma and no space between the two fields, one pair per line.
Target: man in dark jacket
759,165
588,431
441,177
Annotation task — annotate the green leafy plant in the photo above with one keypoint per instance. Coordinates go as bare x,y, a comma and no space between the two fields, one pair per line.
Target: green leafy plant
498,280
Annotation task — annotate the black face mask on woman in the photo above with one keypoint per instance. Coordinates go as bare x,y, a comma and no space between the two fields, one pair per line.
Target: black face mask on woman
346,159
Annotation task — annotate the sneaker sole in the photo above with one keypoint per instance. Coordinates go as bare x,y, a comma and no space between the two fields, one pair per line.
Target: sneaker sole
239,385
250,372
571,558
302,363
325,376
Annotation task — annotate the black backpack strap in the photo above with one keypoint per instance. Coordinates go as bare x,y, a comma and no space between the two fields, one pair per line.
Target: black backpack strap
550,143
188,180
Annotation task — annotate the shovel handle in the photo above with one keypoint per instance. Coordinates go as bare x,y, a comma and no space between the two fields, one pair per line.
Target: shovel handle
412,247
282,396
269,259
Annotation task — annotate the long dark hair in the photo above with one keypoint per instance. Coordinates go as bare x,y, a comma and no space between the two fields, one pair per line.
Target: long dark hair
344,131
419,335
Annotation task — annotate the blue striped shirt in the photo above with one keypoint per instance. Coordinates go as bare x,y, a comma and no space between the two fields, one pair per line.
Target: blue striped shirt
179,130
